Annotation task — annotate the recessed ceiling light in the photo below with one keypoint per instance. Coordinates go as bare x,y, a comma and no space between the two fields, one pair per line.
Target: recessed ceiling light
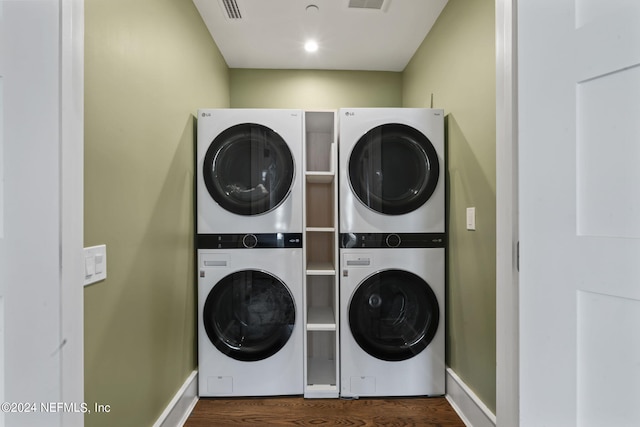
311,46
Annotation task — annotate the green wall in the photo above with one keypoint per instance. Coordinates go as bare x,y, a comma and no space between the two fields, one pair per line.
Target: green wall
456,63
149,64
312,89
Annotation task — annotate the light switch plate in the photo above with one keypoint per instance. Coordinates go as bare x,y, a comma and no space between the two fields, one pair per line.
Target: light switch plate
471,219
95,264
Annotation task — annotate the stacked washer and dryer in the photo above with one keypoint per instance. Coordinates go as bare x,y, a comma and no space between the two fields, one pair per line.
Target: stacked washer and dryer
392,239
249,250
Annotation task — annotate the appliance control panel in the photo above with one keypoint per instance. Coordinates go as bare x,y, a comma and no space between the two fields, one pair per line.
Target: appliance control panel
249,241
392,240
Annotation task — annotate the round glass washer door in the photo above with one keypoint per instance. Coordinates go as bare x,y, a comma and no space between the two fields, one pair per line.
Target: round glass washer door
249,315
393,315
393,169
248,169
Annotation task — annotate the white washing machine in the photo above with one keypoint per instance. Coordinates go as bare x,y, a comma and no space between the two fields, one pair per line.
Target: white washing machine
249,171
250,322
392,322
392,170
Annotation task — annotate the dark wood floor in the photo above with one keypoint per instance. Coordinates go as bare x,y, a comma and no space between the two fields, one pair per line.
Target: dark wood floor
296,411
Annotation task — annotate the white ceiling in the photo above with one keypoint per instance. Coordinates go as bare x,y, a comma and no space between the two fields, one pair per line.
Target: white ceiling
271,33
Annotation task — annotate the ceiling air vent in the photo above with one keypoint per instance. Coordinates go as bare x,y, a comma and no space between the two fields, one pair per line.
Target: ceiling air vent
231,8
366,4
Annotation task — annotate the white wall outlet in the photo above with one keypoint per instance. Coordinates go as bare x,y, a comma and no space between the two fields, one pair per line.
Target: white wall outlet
95,264
471,218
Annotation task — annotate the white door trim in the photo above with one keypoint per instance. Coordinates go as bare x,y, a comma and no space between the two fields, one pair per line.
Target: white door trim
507,295
72,205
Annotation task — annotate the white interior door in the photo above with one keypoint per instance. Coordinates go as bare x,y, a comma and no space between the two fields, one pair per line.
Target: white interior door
579,151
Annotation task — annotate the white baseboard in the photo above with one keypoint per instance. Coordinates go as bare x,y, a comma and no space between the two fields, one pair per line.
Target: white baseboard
178,410
464,401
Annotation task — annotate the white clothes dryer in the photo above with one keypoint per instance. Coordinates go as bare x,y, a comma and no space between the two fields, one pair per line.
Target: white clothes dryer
392,170
249,171
250,322
392,330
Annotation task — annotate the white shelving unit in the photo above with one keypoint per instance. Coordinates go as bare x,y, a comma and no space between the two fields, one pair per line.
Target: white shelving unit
321,374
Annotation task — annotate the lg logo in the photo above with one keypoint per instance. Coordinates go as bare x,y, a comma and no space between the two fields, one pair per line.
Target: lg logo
349,113
206,114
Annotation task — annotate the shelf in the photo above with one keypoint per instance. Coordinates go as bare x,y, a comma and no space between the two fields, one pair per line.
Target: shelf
320,177
320,269
321,229
321,391
321,378
321,319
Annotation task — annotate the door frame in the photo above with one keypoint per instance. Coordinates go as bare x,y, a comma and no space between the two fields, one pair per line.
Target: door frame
72,205
507,294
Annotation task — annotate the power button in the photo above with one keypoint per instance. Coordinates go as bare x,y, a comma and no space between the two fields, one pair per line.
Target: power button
250,241
393,240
